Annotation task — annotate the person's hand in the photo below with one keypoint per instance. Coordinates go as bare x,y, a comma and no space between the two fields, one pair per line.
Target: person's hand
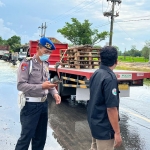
57,98
118,140
48,85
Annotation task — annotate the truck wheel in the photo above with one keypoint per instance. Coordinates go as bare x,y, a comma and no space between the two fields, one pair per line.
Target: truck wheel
59,88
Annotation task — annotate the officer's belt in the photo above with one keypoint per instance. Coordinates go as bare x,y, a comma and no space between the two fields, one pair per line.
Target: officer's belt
36,99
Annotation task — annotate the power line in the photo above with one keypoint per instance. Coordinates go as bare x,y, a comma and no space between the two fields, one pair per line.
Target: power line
143,16
68,10
107,23
118,8
133,20
127,34
103,6
118,22
139,17
76,10
89,4
123,30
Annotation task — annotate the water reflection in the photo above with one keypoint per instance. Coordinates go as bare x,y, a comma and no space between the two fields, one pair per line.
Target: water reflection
138,129
130,135
9,112
70,126
8,72
72,132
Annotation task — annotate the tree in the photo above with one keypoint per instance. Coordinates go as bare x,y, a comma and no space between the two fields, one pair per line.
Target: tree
134,52
70,45
126,53
3,42
97,46
147,43
145,52
119,52
116,47
14,42
81,33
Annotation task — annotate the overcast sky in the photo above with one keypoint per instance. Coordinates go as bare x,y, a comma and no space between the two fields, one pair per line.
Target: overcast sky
23,17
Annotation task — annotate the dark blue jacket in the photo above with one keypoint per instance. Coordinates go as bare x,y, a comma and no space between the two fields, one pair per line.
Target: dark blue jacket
104,94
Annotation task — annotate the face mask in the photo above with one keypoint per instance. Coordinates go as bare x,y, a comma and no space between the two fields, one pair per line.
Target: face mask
44,57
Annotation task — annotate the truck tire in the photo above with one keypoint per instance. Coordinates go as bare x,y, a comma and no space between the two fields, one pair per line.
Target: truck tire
59,88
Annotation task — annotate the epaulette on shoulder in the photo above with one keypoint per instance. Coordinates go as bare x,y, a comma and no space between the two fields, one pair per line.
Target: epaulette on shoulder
28,58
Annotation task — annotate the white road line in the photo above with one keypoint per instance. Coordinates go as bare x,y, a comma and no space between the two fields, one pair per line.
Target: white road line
134,114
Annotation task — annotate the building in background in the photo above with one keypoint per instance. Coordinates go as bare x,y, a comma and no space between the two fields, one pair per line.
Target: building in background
4,49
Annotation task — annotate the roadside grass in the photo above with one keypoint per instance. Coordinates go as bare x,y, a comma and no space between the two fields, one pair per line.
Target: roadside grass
132,59
125,66
129,59
147,82
137,68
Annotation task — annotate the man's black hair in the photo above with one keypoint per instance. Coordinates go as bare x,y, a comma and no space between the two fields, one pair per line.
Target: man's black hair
109,56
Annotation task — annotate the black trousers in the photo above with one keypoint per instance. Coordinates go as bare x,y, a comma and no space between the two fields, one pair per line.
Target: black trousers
33,117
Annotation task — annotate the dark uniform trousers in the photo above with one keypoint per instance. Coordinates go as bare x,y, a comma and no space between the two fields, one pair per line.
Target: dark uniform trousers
33,117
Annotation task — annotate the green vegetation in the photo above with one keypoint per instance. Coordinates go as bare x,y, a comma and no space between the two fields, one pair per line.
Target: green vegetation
137,68
81,33
14,43
134,52
147,82
132,59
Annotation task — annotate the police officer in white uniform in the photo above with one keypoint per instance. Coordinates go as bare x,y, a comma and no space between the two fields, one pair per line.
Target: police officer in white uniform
35,85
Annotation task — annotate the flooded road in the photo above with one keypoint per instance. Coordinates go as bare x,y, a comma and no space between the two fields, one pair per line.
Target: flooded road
68,128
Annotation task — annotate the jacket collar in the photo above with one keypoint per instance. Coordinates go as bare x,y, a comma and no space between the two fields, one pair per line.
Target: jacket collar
105,68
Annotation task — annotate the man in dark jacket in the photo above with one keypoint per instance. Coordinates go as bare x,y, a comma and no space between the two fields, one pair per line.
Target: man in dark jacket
103,116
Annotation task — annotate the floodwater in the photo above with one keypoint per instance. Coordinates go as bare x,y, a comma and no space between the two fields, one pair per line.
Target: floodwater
68,128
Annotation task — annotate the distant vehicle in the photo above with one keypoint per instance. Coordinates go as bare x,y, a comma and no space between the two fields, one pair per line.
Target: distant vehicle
6,56
22,55
14,58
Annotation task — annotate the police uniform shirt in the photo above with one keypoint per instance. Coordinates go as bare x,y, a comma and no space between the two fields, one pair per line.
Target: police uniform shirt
104,94
31,82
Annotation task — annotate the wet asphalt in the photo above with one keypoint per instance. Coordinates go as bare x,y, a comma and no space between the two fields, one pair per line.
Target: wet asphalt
67,126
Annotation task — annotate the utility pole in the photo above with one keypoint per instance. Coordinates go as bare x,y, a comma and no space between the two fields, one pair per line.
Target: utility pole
45,29
42,27
112,15
149,54
112,24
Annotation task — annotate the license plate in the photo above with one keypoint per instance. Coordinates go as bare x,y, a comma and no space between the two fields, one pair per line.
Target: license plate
123,86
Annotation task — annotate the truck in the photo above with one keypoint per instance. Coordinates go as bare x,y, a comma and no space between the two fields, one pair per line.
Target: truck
73,67
4,49
21,55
